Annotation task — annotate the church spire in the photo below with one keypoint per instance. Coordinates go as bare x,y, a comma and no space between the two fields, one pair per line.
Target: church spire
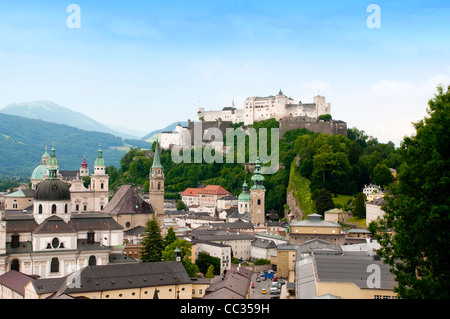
257,178
156,159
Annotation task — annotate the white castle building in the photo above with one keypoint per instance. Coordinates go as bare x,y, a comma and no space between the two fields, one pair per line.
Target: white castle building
263,108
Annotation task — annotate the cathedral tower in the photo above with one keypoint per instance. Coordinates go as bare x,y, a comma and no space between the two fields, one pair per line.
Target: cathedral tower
156,186
257,195
100,182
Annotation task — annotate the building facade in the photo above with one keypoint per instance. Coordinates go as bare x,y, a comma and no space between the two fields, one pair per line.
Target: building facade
263,108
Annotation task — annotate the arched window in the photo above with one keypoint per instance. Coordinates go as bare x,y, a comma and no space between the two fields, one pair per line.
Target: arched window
54,209
65,209
40,209
259,202
92,261
54,266
15,265
159,185
101,185
77,207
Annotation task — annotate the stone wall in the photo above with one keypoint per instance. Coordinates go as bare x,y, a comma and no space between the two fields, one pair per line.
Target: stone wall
331,127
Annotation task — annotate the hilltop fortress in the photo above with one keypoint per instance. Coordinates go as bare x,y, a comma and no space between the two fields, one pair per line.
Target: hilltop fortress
280,107
263,108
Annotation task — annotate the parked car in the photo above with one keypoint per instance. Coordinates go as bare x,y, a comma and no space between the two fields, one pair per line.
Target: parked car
274,290
258,279
263,291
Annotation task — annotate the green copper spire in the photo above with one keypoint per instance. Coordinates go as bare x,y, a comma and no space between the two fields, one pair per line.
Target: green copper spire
99,161
156,159
258,178
245,195
52,161
52,171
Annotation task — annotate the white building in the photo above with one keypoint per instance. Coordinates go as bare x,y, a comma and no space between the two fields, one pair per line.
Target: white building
262,108
223,252
374,211
51,241
180,137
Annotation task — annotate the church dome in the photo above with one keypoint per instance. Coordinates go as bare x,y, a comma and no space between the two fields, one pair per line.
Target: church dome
52,190
39,172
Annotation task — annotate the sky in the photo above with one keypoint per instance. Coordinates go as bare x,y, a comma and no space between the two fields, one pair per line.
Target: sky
146,64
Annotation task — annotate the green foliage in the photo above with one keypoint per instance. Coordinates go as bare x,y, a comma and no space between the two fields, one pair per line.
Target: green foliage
417,209
300,186
325,117
323,201
382,175
205,260
210,272
261,261
181,205
185,253
359,203
170,237
152,244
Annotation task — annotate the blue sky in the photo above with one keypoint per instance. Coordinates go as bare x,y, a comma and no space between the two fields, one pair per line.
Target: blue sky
146,64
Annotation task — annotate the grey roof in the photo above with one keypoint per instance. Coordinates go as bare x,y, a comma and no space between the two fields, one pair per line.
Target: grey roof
317,245
16,281
219,235
344,268
233,284
52,225
20,223
128,201
94,221
263,243
130,275
377,201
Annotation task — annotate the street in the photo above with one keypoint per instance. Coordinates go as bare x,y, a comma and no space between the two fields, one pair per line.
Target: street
256,292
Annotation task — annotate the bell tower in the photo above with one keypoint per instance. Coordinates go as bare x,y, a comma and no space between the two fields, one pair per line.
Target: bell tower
99,183
257,196
156,186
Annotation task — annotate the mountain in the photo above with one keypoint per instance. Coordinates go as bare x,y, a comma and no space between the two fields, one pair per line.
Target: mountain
150,137
52,112
23,141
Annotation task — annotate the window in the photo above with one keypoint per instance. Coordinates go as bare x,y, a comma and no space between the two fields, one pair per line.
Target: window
65,209
92,261
53,209
85,207
159,186
77,207
101,185
15,265
259,202
55,242
54,266
40,209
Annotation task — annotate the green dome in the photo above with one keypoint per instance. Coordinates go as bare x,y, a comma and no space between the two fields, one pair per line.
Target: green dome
245,195
39,172
99,161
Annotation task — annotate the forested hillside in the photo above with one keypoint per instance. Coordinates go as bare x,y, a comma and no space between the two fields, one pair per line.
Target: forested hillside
23,141
335,163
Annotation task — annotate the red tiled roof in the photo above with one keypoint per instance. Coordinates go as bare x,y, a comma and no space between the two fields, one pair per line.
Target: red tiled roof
191,191
214,190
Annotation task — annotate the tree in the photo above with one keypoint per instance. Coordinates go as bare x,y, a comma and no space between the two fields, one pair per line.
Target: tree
185,253
152,244
205,260
323,200
180,205
382,175
417,208
210,272
325,117
359,205
170,237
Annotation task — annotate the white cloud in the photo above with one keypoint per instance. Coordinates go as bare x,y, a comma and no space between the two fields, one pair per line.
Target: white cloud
391,106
